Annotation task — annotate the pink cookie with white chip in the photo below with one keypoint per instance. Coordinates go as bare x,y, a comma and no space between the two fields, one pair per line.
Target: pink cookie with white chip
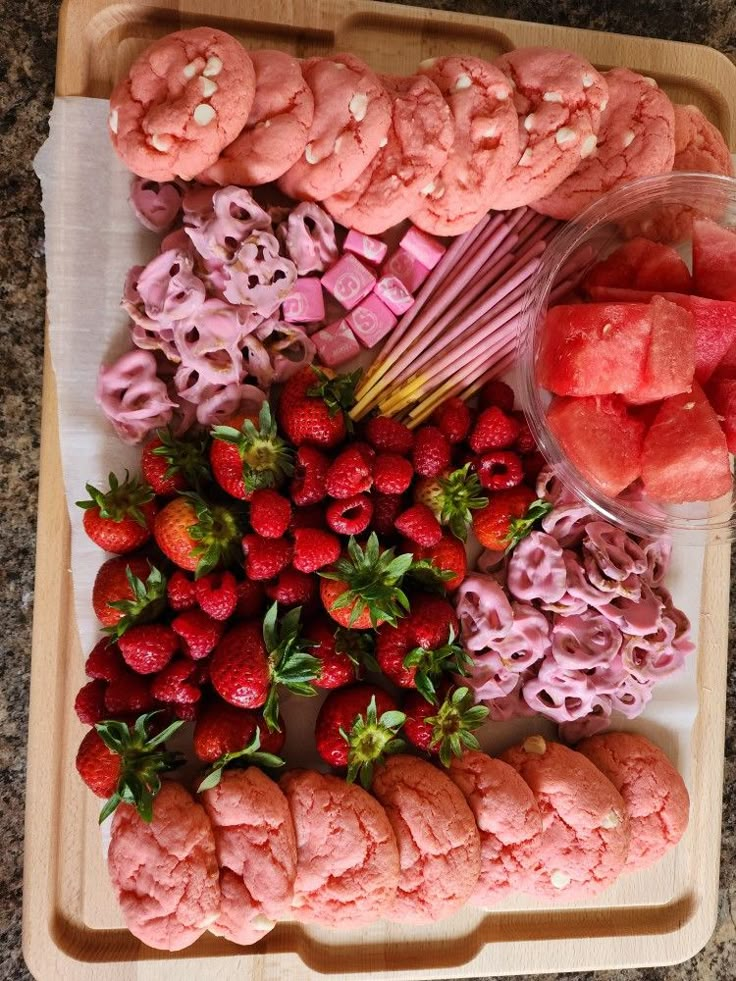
485,148
636,139
585,824
336,344
256,852
275,134
653,791
699,144
559,98
352,114
439,845
508,820
183,100
348,860
416,148
371,320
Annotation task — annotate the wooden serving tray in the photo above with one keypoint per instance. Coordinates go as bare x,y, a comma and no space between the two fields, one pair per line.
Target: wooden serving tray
72,928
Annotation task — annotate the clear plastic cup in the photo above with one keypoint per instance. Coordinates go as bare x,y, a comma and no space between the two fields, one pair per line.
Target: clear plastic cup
660,208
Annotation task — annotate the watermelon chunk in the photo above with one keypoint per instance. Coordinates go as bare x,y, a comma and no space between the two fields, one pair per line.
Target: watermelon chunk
685,455
642,265
594,348
601,438
722,392
714,260
670,361
727,365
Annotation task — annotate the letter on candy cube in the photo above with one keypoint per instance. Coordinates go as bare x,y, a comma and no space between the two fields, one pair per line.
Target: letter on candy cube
349,281
406,269
394,294
371,249
305,304
336,344
371,321
427,249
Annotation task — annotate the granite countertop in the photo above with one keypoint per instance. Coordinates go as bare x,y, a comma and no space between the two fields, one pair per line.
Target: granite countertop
27,63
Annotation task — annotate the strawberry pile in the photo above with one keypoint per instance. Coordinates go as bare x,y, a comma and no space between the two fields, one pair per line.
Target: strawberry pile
285,551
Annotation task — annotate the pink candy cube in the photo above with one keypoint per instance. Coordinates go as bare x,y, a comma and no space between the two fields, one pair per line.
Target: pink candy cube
427,249
348,281
371,249
371,321
407,269
305,304
394,294
336,344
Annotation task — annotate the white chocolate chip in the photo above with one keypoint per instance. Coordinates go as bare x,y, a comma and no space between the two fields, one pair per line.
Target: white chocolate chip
261,922
650,81
611,820
529,122
298,901
204,114
552,97
606,328
587,81
689,405
565,135
337,144
559,879
190,70
629,137
208,86
428,189
526,158
112,121
309,155
213,67
491,131
358,106
428,63
535,745
463,82
502,94
604,105
160,143
588,146
383,143
439,191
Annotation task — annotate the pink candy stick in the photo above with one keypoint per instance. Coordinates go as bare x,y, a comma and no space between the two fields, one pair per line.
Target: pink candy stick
562,289
541,230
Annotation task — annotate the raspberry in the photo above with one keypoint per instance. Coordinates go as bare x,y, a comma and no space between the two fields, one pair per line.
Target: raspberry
496,393
525,442
493,430
250,598
105,661
265,557
217,594
310,471
352,515
314,549
419,525
198,631
389,435
312,516
270,513
349,474
432,452
452,417
293,588
533,464
90,702
386,508
180,591
499,470
392,474
148,647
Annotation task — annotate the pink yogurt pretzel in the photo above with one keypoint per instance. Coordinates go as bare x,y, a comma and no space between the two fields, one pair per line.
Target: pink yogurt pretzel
536,569
309,237
484,612
156,205
133,397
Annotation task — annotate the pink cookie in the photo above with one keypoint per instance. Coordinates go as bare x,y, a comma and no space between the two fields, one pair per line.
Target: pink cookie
416,148
256,852
636,139
305,304
485,148
394,294
352,114
559,98
371,320
425,248
585,836
508,820
165,873
407,269
336,344
348,860
373,250
699,144
349,281
275,134
653,791
439,846
181,103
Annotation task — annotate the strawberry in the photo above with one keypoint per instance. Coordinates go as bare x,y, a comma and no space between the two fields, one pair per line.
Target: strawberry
386,509
293,588
148,647
499,470
270,513
265,557
127,591
496,393
90,702
250,598
119,519
128,694
349,474
493,430
388,435
124,763
452,417
170,464
195,535
245,458
105,662
254,658
181,591
313,404
446,731
356,727
448,554
310,474
222,729
177,683
314,549
509,517
198,633
525,441
334,647
363,588
217,594
419,525
350,516
392,474
311,516
432,452
452,497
